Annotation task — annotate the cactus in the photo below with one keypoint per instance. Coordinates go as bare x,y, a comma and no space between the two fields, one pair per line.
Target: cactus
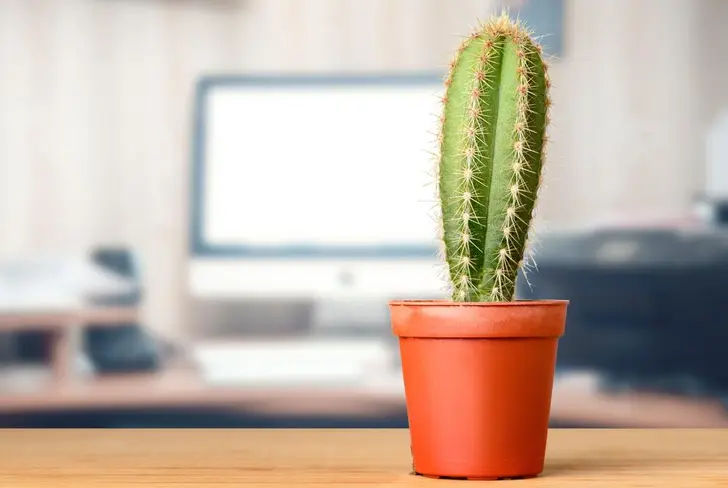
491,149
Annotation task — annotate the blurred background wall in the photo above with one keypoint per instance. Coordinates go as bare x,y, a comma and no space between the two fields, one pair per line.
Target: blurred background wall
95,107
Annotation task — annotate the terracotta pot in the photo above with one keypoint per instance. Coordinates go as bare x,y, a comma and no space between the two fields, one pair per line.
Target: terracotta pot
478,379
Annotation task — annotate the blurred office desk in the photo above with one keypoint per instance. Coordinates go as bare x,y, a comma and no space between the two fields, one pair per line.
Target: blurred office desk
188,395
580,400
179,390
62,323
52,294
329,457
182,390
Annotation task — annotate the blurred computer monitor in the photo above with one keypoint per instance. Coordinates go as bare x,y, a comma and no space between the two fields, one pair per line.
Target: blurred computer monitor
312,186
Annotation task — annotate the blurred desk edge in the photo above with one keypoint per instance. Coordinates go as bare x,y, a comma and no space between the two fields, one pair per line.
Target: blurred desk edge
185,389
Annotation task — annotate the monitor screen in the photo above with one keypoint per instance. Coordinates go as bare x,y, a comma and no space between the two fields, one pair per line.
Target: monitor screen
321,167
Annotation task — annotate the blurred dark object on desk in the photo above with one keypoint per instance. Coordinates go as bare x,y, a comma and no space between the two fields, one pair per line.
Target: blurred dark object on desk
715,211
29,346
123,262
44,285
721,212
124,347
648,306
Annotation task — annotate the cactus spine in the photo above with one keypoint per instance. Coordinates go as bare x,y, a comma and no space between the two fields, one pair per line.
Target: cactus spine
492,138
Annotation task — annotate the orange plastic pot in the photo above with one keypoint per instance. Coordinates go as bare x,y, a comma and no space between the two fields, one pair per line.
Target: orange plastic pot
478,379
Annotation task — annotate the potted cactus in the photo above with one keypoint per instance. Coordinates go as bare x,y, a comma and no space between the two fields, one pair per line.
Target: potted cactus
478,368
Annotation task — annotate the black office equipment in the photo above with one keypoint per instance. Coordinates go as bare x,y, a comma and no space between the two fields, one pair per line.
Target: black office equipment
649,307
123,347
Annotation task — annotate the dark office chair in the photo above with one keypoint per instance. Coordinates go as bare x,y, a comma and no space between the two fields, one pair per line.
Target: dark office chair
124,347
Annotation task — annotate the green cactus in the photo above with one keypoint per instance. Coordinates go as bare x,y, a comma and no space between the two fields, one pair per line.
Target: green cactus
492,138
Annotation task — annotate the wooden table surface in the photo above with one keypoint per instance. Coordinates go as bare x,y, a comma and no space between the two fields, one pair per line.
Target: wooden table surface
328,458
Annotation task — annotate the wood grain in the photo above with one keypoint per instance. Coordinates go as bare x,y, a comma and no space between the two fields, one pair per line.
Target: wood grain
327,458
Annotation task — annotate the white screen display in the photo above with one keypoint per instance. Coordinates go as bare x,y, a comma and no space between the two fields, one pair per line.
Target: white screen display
333,165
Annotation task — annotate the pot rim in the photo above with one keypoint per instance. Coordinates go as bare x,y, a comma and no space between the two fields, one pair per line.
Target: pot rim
445,319
450,303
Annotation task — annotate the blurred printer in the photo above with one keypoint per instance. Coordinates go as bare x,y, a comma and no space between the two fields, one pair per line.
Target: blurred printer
648,307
